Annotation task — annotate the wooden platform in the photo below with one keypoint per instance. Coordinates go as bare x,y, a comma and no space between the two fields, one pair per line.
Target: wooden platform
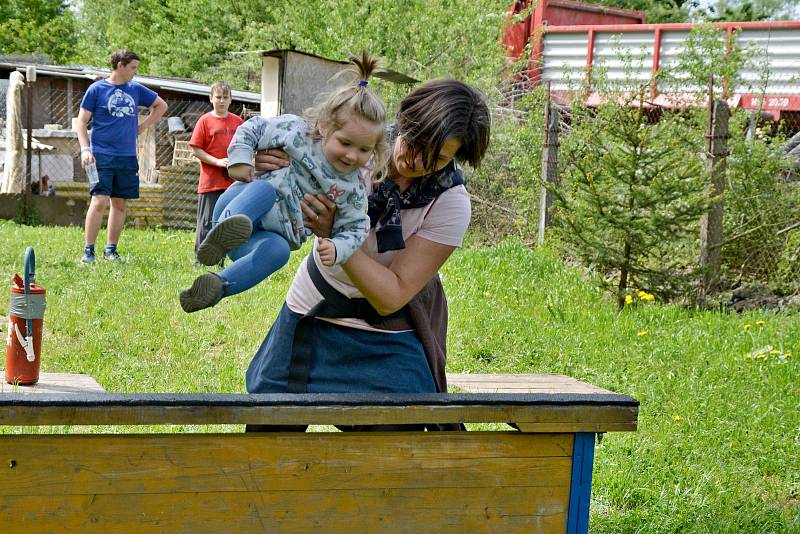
534,480
55,383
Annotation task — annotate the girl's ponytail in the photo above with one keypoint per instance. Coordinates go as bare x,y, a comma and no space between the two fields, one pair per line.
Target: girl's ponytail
355,99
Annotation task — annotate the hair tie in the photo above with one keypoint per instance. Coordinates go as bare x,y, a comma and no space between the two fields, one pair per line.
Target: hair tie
363,83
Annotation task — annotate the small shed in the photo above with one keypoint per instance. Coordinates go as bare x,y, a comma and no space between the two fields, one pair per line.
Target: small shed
292,80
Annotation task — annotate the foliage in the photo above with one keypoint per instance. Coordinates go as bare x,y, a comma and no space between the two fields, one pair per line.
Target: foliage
758,203
728,464
787,279
748,10
423,38
505,189
37,27
656,11
632,195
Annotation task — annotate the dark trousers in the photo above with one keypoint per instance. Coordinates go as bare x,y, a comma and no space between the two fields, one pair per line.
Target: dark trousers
205,210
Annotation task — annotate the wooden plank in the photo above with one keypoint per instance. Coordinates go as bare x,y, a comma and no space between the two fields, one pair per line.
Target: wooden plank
56,383
444,510
520,383
332,482
145,463
551,412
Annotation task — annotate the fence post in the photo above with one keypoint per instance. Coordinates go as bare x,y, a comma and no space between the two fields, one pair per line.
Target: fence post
711,221
30,79
552,121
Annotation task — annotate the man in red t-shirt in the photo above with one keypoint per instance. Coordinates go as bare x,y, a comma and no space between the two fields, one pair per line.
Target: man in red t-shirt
210,139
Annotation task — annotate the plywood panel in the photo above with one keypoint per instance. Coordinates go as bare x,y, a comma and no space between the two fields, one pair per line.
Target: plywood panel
57,383
520,383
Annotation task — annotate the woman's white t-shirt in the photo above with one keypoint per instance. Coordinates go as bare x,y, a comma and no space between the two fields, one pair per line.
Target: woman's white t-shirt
444,221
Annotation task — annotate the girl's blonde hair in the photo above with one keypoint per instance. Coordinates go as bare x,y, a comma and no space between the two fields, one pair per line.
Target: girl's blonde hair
354,99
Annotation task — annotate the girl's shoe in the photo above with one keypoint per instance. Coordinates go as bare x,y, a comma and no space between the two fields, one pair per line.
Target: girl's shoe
229,234
205,292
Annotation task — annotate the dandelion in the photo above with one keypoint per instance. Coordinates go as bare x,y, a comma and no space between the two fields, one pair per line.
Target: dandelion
773,352
676,418
628,299
760,356
648,297
760,323
748,326
642,333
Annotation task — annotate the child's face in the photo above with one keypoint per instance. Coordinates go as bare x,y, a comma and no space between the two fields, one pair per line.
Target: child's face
350,147
221,101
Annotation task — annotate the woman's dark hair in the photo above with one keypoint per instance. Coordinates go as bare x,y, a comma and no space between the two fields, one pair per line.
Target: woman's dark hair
124,57
440,110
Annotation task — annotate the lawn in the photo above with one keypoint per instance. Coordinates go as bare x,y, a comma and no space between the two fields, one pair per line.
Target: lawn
719,424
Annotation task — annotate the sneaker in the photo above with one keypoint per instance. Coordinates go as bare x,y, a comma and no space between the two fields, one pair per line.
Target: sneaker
88,257
205,292
113,255
231,233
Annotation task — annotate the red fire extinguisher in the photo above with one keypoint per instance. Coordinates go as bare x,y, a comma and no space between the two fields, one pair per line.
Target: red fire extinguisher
24,347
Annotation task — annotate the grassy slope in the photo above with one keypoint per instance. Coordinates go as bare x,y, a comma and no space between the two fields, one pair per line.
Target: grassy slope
718,439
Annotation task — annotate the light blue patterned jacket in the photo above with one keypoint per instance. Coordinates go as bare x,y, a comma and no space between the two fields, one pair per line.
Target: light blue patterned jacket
308,172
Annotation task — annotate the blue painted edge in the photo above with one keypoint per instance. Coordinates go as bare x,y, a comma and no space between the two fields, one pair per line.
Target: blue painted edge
580,492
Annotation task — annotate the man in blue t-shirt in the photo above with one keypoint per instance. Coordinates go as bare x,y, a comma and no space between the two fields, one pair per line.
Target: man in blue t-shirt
108,152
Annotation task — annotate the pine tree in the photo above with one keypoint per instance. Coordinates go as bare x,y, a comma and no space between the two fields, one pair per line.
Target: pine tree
631,196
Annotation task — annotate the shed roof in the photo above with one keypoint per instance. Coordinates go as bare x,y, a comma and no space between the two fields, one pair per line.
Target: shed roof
179,85
384,74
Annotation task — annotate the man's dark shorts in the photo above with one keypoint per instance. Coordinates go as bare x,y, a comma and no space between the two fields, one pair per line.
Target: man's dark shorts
119,176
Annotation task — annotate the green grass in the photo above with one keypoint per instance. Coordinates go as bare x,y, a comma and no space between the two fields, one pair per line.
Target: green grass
719,429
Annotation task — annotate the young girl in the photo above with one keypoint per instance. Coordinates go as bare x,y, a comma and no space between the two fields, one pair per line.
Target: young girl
260,221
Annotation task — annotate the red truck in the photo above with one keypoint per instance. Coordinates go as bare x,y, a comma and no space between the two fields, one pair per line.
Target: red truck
568,39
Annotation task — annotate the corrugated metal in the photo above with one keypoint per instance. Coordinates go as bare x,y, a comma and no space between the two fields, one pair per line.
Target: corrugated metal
625,60
172,84
564,60
673,44
776,58
773,70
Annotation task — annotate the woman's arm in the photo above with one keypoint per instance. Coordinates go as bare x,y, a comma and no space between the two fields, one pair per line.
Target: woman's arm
390,288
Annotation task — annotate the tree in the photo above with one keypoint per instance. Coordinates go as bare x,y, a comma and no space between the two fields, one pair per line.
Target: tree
38,27
631,196
748,10
657,11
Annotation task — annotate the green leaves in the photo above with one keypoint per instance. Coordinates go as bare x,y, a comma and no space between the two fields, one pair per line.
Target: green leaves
37,27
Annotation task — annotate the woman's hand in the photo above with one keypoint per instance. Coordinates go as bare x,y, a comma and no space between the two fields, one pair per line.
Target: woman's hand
241,172
320,211
271,160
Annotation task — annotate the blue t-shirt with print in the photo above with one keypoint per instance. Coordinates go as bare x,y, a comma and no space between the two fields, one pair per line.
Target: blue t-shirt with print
115,115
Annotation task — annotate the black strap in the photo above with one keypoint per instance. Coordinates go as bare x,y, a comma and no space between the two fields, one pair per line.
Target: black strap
333,305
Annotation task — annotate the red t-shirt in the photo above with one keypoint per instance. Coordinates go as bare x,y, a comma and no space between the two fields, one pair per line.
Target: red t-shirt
214,134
